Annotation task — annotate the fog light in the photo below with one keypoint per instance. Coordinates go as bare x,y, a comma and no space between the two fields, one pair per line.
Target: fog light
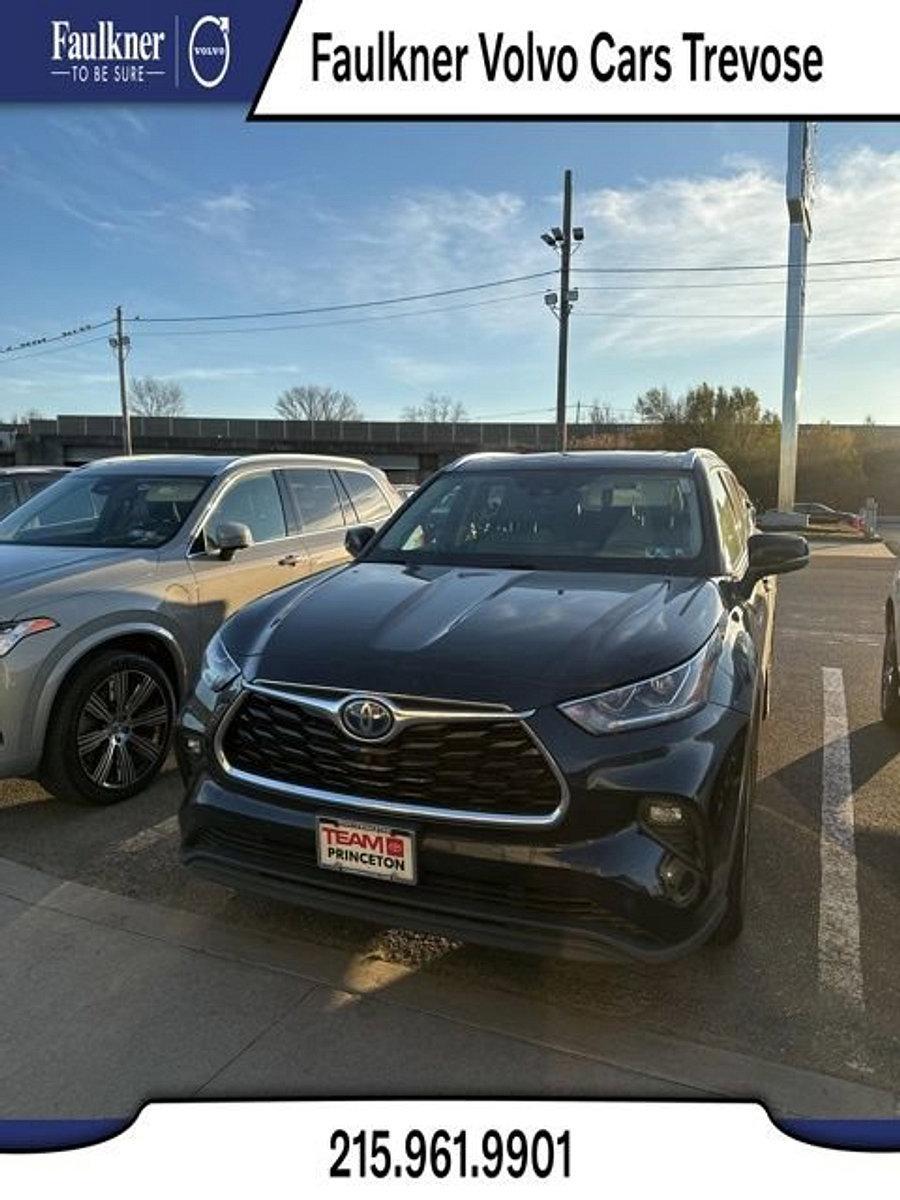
682,884
664,813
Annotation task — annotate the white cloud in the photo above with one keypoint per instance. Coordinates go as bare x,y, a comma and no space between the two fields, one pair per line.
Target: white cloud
233,201
419,372
738,216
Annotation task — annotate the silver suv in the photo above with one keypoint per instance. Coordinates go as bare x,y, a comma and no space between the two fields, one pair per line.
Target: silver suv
113,580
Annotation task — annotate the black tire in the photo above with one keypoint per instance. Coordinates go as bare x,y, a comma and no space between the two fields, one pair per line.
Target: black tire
110,731
732,923
890,678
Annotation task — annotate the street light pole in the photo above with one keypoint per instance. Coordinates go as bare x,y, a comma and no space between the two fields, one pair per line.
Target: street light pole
561,239
565,307
797,193
121,344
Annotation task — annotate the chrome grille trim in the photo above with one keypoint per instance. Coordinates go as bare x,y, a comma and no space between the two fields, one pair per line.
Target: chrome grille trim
325,707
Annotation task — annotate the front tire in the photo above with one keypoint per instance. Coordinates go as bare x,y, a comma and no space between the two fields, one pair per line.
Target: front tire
890,678
110,731
731,926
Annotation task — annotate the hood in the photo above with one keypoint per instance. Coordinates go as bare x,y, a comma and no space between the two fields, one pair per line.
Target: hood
40,571
524,638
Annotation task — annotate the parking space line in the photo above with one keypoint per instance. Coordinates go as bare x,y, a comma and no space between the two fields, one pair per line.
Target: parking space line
147,837
840,967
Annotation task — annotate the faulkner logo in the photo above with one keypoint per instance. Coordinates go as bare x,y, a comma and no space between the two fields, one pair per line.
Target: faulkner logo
105,54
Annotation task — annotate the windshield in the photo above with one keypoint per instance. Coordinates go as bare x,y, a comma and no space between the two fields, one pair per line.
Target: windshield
536,518
91,508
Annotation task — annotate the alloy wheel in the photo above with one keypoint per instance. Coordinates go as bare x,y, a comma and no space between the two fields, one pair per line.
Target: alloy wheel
123,729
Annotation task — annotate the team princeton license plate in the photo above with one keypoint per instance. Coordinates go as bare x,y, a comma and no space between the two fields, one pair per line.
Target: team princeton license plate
378,851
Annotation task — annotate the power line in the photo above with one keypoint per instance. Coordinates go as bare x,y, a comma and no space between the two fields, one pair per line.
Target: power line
734,283
834,262
58,337
54,350
422,312
329,308
522,412
773,316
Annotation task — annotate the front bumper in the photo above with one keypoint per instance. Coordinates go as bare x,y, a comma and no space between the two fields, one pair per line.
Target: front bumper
592,887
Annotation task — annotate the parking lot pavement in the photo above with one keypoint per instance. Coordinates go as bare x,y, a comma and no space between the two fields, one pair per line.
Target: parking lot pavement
149,982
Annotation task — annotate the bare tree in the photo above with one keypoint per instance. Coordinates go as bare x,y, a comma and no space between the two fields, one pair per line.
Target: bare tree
151,397
438,410
601,414
22,418
313,402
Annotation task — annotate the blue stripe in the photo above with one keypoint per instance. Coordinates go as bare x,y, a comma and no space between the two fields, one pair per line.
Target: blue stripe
881,1134
58,1135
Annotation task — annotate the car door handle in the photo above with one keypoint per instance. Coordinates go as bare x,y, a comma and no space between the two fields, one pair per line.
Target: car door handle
289,560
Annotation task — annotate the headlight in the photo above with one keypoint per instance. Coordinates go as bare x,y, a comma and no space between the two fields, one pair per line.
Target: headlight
219,668
664,697
12,632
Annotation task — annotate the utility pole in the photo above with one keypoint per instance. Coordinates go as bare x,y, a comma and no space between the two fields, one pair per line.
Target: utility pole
797,192
121,344
561,240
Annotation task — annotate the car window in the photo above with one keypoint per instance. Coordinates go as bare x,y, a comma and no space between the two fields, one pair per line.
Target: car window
8,497
368,499
316,499
255,502
742,505
37,483
729,522
96,508
549,518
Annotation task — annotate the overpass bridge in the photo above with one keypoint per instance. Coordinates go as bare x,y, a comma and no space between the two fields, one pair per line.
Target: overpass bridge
408,451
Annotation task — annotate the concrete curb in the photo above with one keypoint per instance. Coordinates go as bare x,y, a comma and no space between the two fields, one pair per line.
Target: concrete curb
708,1072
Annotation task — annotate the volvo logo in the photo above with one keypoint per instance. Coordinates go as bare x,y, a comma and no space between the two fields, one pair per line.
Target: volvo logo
209,50
367,719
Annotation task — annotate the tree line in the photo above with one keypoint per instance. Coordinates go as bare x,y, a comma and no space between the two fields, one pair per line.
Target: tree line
836,466
153,397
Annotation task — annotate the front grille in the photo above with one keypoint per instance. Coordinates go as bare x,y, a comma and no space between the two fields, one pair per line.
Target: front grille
474,766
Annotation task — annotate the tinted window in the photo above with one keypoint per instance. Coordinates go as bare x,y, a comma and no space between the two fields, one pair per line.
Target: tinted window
8,497
728,520
37,483
254,502
545,518
368,499
316,500
99,509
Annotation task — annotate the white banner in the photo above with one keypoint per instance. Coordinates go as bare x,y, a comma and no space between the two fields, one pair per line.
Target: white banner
243,1150
524,58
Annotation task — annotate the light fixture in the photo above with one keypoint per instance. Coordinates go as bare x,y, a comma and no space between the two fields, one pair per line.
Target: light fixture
551,241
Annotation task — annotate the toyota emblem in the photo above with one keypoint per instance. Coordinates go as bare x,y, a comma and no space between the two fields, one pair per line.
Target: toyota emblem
369,720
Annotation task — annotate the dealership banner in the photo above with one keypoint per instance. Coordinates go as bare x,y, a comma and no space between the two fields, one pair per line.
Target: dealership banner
403,59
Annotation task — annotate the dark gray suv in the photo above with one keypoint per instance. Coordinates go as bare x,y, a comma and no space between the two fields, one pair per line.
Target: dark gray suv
113,581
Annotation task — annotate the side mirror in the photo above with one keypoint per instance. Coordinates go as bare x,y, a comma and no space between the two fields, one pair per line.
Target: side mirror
776,554
230,537
357,538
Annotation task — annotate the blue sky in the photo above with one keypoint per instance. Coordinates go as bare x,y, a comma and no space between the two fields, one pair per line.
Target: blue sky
175,211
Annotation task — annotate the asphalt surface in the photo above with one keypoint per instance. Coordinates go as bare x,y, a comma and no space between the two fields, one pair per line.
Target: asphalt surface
767,999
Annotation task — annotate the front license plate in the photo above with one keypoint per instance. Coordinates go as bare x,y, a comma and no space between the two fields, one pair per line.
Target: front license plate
379,851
